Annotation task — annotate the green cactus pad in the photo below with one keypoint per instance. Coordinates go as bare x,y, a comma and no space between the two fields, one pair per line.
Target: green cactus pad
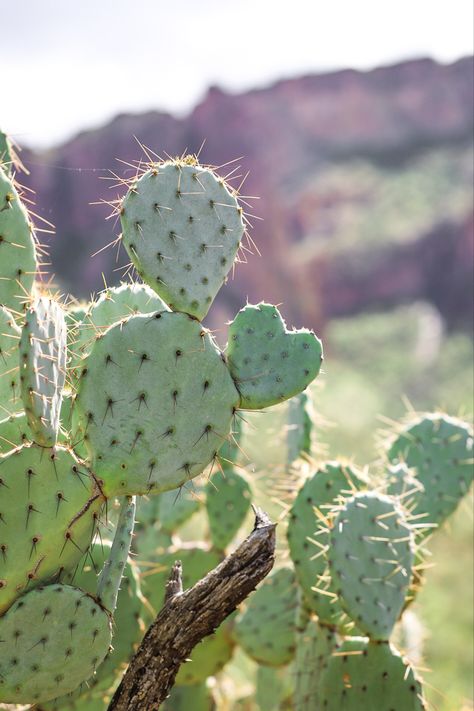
14,432
308,535
299,426
18,264
370,676
49,505
274,688
111,574
439,449
166,426
266,629
269,363
119,302
113,305
314,647
54,639
187,698
182,228
371,556
228,499
5,152
175,507
10,401
43,356
208,657
76,702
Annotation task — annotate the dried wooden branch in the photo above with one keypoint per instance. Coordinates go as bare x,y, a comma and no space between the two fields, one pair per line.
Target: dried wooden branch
187,617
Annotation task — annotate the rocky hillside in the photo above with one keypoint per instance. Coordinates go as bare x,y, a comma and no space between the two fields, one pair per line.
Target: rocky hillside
365,182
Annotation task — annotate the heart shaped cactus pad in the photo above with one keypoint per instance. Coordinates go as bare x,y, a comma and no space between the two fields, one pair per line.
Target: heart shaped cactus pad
269,363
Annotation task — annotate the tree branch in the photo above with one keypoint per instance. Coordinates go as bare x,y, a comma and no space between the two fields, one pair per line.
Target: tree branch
187,617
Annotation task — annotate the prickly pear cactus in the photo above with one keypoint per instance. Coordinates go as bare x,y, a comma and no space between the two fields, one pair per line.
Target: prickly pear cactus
18,258
113,304
183,698
10,401
299,435
182,227
55,637
43,356
439,451
371,554
50,506
308,535
269,363
266,629
5,152
370,676
177,506
228,499
315,645
157,437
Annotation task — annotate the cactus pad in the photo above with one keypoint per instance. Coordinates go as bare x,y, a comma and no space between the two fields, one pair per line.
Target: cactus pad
54,639
49,506
370,676
175,507
266,629
269,363
18,264
184,698
182,228
114,304
299,426
208,657
228,498
43,355
371,556
314,647
308,536
175,413
10,400
440,451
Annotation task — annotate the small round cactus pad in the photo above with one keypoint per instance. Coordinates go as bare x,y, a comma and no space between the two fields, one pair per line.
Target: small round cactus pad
371,556
54,639
182,227
155,403
369,676
268,362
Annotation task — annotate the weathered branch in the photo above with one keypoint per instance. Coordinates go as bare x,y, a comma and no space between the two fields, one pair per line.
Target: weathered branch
188,617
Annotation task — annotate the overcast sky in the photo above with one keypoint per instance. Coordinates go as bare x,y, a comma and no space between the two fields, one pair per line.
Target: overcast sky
73,64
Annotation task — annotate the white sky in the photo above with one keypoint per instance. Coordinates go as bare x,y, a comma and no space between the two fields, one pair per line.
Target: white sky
73,64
